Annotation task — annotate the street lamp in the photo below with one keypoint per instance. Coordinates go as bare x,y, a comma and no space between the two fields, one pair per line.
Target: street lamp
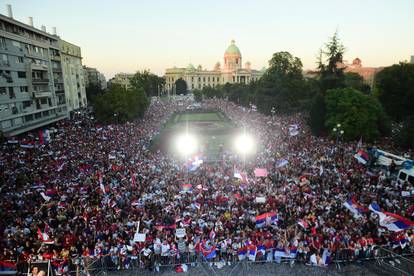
273,111
338,131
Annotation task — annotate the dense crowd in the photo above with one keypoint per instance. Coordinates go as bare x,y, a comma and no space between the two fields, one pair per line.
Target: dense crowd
83,194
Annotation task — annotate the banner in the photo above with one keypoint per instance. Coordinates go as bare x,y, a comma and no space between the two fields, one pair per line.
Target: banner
139,237
180,232
260,172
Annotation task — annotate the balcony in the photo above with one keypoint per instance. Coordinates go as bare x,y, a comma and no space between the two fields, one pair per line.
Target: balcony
42,94
37,80
41,67
4,63
55,58
58,80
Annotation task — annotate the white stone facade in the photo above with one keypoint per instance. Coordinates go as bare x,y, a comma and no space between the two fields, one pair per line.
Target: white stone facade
198,78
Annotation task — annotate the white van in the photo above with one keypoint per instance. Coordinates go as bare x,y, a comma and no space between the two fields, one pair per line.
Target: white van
406,175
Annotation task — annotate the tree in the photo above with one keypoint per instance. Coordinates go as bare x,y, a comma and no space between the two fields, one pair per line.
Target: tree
180,87
355,81
282,86
198,95
119,105
395,86
404,134
359,115
152,84
93,91
331,71
331,76
317,114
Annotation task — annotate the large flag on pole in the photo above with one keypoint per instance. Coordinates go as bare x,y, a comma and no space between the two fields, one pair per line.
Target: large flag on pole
392,222
355,208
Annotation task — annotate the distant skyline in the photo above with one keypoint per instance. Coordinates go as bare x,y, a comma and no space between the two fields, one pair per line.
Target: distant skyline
126,36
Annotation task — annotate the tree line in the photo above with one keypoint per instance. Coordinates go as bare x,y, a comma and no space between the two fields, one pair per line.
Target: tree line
334,97
120,104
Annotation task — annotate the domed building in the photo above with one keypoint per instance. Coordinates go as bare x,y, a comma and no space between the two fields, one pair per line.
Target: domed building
232,71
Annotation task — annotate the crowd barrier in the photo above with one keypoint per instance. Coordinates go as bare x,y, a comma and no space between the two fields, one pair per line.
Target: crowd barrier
93,265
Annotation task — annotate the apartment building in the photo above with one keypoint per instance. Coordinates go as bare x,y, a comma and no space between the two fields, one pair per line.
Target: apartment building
32,92
122,79
94,77
73,76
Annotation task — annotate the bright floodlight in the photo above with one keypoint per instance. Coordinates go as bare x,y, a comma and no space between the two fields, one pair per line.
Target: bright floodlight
244,144
186,144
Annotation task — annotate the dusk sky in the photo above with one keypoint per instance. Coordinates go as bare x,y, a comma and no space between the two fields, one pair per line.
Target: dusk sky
125,36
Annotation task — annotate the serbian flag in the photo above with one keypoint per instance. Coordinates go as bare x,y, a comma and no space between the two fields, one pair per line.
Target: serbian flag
260,172
240,175
187,188
355,208
252,252
209,253
44,237
362,157
303,223
266,219
7,266
45,197
410,211
392,222
194,163
61,267
261,248
241,253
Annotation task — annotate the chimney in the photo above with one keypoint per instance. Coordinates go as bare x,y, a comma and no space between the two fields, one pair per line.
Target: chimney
9,11
30,21
54,31
43,28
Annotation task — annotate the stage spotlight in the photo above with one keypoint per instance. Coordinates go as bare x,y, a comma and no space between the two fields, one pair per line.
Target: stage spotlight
244,143
186,144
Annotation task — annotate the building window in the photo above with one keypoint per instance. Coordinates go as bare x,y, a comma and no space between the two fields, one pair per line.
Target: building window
2,42
24,89
19,60
192,86
21,75
11,93
199,79
3,91
27,104
208,79
204,79
199,86
38,115
192,78
28,118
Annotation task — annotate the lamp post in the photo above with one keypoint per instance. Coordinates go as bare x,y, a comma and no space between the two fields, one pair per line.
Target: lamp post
273,111
116,117
338,131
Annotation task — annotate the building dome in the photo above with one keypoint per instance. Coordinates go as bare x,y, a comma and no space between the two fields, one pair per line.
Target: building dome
190,67
232,50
